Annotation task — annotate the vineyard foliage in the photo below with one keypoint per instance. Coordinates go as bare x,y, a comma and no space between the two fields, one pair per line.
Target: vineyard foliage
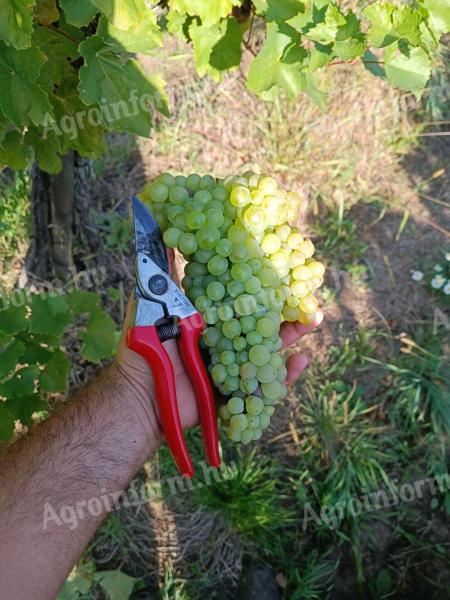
69,73
32,362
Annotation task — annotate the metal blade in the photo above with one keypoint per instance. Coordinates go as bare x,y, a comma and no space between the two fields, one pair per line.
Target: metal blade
148,236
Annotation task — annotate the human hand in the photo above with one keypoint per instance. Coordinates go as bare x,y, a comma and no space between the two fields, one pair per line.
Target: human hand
140,383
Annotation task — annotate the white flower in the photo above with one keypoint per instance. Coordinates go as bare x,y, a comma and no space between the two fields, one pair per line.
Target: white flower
437,282
446,288
437,268
447,256
416,275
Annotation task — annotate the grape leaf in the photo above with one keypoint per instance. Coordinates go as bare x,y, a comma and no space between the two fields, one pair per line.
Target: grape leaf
175,23
49,314
22,383
117,585
390,23
320,56
9,357
407,70
279,10
371,63
269,68
204,39
59,51
81,301
13,319
22,100
7,422
123,14
16,24
125,85
46,12
142,37
350,42
99,337
439,11
23,408
35,353
210,12
46,149
227,52
54,376
14,152
78,12
326,31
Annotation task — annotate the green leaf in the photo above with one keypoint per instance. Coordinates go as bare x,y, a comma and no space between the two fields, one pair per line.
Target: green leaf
81,301
16,23
47,149
14,151
23,408
125,85
13,319
116,584
9,357
123,14
439,11
49,314
22,100
391,23
78,12
143,36
59,52
35,353
54,376
204,39
46,12
371,63
99,337
175,23
227,52
350,41
7,422
279,10
409,71
268,68
210,12
22,383
325,32
320,56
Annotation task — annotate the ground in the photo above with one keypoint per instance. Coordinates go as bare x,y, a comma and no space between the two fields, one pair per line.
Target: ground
373,172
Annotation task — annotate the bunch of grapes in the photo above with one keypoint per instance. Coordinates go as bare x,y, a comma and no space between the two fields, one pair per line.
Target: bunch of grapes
247,270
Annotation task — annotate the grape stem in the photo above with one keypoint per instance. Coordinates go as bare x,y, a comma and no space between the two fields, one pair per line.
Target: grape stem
355,61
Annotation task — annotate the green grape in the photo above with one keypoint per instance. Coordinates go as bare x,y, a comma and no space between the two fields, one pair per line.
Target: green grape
211,336
248,370
193,269
217,265
186,282
253,422
173,211
269,410
234,435
266,326
215,217
219,373
187,243
245,305
233,369
276,361
282,374
248,386
178,194
224,277
227,357
268,277
259,355
246,436
161,219
208,279
180,180
273,390
215,359
171,236
254,405
234,288
241,357
239,343
255,219
240,196
229,210
195,219
270,243
237,234
224,247
253,338
158,191
266,374
196,291
224,413
224,344
264,420
193,182
166,178
208,237
202,303
225,312
207,181
255,265
252,285
238,422
256,434
283,232
294,240
259,311
296,258
220,193
239,253
231,328
277,345
203,197
215,291
248,323
241,272
235,405
231,383
202,255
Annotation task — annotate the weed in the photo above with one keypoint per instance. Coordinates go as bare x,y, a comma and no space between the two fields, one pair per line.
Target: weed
116,231
14,211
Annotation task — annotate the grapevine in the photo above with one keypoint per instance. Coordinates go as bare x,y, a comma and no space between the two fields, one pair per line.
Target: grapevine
247,270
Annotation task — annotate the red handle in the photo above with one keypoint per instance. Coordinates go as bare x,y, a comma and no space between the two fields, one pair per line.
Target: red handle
145,341
190,331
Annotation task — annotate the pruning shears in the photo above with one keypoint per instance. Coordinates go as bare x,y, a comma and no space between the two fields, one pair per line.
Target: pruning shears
163,312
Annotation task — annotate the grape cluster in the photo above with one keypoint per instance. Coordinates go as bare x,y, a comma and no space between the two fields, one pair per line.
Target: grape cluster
247,270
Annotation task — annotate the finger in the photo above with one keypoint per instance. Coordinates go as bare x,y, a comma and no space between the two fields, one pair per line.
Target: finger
295,366
291,332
